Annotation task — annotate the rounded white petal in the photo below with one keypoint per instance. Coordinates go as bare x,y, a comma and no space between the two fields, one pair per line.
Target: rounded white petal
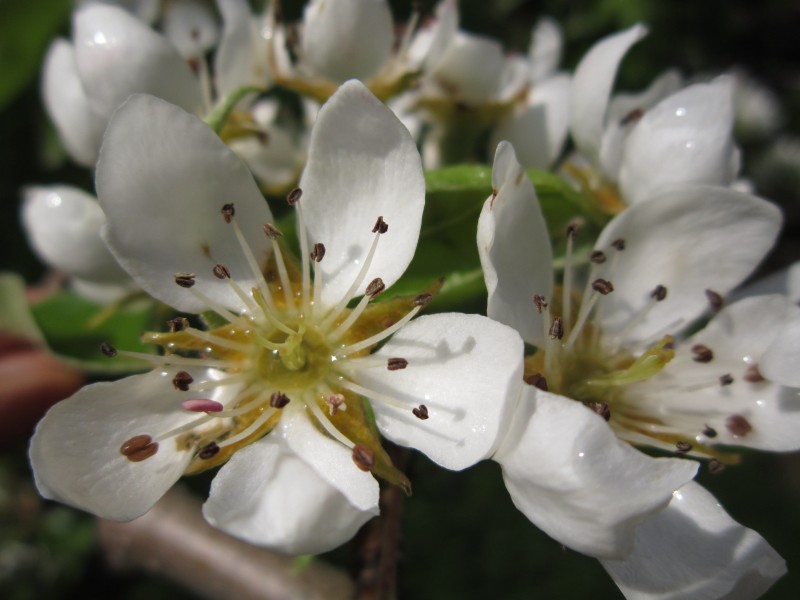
269,496
782,358
65,99
685,138
430,42
544,53
75,451
689,240
118,55
570,475
362,164
191,27
162,179
63,224
592,83
241,56
693,549
344,39
514,248
471,69
467,371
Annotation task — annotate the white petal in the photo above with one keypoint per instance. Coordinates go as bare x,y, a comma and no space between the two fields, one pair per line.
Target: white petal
269,496
689,240
236,62
430,42
63,224
514,248
471,68
569,474
118,55
362,164
693,549
75,451
345,39
65,99
467,371
592,83
191,27
781,359
547,43
162,179
686,138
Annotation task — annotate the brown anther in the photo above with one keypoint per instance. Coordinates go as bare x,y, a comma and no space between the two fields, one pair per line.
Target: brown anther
715,467
709,431
318,253
753,375
536,380
363,457
598,257
221,271
421,412
381,226
702,353
375,287
272,232
182,380
177,324
572,229
602,409
540,302
423,300
738,425
337,403
209,450
602,286
556,328
683,447
228,212
726,379
139,448
294,196
715,300
619,244
631,117
658,293
278,400
185,280
108,350
395,364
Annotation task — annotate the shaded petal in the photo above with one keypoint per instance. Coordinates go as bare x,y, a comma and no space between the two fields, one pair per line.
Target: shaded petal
362,163
689,240
344,39
118,55
65,99
592,83
514,248
75,451
162,179
241,56
781,359
693,549
430,42
467,371
471,69
685,138
569,474
544,53
191,27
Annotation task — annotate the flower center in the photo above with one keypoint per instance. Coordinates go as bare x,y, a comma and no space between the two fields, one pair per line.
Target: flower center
304,360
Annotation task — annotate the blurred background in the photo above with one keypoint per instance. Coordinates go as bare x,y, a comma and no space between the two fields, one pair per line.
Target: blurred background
461,536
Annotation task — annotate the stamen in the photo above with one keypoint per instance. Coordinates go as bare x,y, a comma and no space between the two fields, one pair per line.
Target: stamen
702,353
139,448
337,402
367,393
270,316
363,457
182,380
205,405
753,375
375,287
602,286
396,364
177,324
725,380
566,300
273,233
683,447
221,271
738,425
185,280
318,253
598,257
536,380
327,425
715,300
250,430
218,341
216,307
175,359
279,400
715,467
556,331
659,293
382,335
631,117
208,451
228,212
381,226
619,244
294,196
421,412
540,302
709,432
108,350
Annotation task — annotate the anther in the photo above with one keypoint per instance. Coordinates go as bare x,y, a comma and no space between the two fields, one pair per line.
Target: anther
709,432
572,229
619,244
380,226
702,353
725,380
738,425
536,380
395,364
556,328
205,405
177,324
209,450
659,293
227,212
715,300
540,303
139,448
337,402
185,280
631,117
422,300
318,253
294,196
421,412
715,467
375,287
683,447
108,350
363,457
602,409
182,380
602,286
598,257
221,271
278,400
753,375
272,232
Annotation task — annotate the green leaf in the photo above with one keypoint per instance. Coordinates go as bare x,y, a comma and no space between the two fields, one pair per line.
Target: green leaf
15,312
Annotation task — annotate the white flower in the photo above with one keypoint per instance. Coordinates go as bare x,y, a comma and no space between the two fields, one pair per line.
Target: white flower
290,359
606,349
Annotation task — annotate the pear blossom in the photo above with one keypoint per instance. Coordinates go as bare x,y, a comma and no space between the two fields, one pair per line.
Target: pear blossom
611,367
274,392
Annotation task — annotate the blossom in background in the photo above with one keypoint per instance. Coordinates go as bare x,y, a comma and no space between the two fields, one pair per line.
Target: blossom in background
608,370
289,359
